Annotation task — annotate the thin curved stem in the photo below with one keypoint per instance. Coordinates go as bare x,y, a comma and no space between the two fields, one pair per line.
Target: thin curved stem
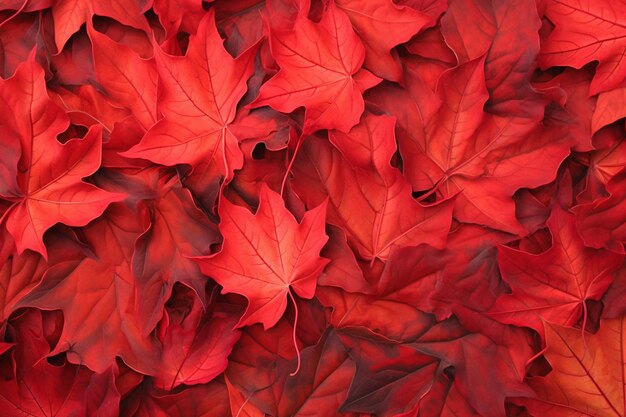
295,340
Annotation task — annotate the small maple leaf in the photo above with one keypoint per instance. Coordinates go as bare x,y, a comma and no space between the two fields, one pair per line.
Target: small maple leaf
320,70
198,101
267,254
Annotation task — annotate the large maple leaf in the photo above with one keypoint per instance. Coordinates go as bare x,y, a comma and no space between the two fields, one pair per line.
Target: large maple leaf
129,80
195,345
369,198
99,323
200,92
586,31
318,389
473,28
556,284
587,377
70,15
320,69
266,255
46,184
66,391
370,18
468,151
602,223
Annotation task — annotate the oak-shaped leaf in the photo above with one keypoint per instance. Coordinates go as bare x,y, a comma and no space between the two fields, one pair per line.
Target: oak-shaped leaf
266,255
45,185
320,69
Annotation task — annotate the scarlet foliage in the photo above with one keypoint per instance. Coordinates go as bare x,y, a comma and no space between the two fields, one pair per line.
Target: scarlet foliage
250,208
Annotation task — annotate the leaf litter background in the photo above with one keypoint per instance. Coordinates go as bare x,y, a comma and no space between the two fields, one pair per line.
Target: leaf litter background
312,208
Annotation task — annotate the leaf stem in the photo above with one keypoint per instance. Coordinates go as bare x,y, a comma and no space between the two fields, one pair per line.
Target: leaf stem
295,326
291,161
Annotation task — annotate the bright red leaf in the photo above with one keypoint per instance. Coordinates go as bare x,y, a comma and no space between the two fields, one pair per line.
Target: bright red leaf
199,101
554,285
46,184
415,194
320,70
266,255
586,31
379,213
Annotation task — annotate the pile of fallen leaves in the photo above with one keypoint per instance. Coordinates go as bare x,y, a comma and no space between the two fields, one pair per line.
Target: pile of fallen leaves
250,208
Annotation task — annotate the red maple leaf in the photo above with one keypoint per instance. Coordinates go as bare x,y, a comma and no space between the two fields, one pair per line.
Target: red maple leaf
45,183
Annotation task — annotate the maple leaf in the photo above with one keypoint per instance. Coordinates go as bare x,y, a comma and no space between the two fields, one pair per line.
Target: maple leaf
18,38
46,185
69,15
98,320
82,102
266,255
318,389
608,108
476,28
466,151
320,69
379,213
206,400
195,345
390,378
67,391
576,107
129,81
586,31
556,284
200,92
19,274
320,386
343,269
375,313
176,230
241,404
399,23
493,376
601,222
587,377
